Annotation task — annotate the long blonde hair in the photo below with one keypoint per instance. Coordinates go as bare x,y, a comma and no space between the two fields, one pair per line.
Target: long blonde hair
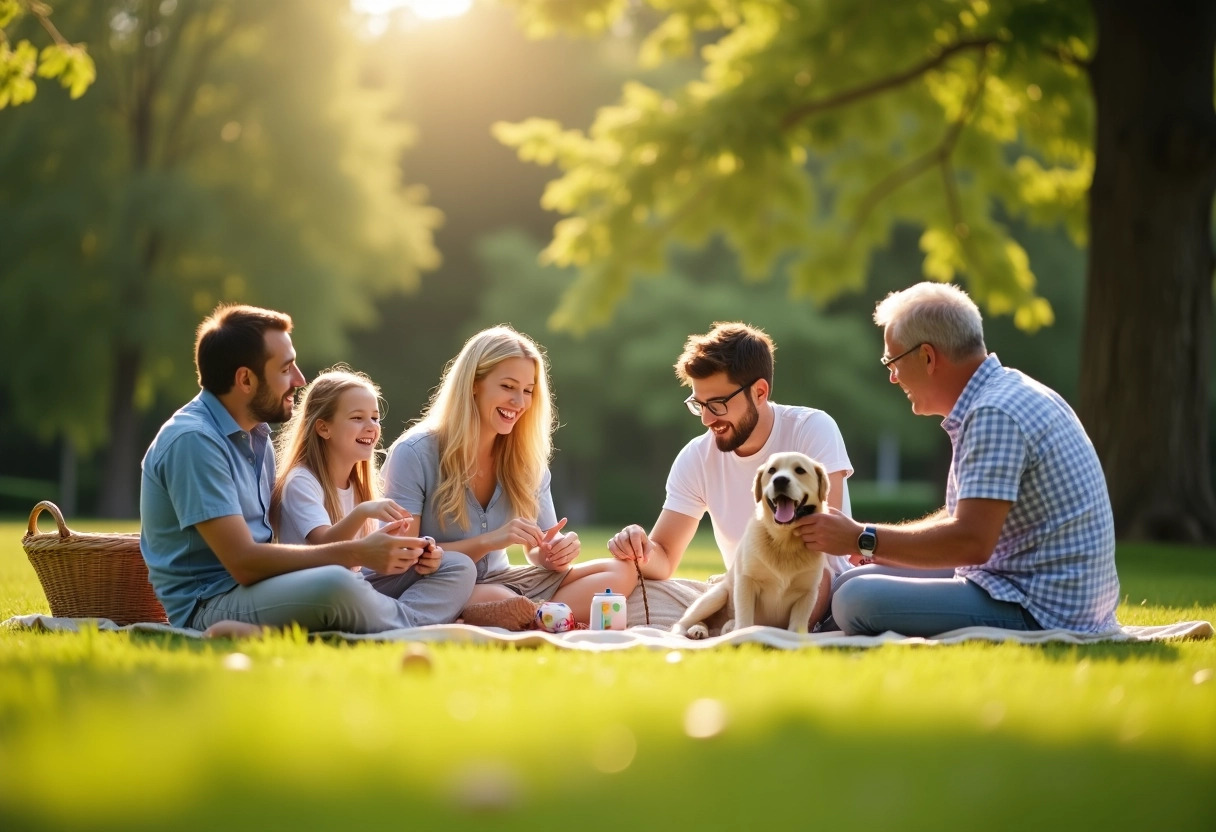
298,443
520,457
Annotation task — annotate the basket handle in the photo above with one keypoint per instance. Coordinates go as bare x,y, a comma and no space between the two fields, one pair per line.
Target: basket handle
47,505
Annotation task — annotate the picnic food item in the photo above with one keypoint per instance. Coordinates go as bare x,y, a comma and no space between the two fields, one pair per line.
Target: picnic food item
608,611
555,617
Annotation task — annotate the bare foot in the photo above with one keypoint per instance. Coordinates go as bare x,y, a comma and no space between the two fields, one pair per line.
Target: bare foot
516,613
234,629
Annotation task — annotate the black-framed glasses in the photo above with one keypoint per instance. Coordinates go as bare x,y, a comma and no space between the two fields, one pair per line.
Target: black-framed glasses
716,405
887,362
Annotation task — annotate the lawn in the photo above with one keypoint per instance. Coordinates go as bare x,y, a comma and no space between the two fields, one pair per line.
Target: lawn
133,732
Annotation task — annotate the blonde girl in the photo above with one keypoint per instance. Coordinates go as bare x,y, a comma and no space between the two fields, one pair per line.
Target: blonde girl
474,475
327,488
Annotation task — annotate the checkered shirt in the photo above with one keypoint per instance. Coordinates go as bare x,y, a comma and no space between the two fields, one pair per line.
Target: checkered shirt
1015,439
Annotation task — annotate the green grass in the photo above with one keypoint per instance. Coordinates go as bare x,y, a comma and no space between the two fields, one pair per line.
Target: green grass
134,732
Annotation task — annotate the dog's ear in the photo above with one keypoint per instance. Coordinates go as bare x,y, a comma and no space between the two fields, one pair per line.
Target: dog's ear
824,485
757,487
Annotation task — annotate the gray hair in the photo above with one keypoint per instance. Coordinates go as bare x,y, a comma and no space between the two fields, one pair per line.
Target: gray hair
940,314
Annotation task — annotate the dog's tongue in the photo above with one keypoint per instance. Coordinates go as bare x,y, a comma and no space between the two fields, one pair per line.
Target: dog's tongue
784,511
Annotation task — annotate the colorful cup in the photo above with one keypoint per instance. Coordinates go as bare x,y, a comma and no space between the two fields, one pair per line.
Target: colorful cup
608,611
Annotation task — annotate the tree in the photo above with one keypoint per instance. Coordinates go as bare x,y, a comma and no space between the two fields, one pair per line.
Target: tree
228,153
20,62
814,128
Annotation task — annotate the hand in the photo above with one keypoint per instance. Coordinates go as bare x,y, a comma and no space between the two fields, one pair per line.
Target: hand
631,543
389,552
431,557
385,511
518,531
559,550
833,532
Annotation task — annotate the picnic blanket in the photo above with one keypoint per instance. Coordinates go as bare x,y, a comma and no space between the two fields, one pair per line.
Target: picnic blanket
666,601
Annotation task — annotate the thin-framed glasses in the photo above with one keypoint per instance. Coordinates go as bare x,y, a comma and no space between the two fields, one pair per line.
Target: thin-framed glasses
887,362
716,405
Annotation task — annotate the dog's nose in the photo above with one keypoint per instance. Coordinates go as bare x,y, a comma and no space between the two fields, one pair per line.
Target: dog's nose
780,483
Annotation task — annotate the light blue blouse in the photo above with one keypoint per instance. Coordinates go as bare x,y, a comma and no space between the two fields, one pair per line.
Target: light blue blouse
411,477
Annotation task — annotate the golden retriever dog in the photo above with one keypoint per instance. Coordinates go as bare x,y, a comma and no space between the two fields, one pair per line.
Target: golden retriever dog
774,580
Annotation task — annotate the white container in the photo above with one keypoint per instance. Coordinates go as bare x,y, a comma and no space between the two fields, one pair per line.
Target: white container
608,611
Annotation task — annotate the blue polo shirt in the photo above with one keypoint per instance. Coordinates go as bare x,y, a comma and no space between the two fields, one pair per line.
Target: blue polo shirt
200,466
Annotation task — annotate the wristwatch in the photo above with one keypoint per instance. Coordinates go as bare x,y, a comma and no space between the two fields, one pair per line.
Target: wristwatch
867,541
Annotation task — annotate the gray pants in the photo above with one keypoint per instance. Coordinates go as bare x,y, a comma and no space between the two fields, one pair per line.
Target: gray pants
335,598
869,600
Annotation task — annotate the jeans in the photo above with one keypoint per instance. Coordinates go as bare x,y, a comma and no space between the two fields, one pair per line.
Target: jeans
869,600
335,598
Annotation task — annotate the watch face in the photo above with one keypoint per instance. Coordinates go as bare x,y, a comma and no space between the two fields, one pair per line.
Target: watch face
866,542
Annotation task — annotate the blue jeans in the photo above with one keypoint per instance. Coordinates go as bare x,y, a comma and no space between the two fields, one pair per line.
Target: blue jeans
335,598
869,600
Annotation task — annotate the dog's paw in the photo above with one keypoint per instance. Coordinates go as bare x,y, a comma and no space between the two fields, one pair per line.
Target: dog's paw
715,579
728,626
698,631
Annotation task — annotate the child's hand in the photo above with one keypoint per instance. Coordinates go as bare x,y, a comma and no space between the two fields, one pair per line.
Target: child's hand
386,511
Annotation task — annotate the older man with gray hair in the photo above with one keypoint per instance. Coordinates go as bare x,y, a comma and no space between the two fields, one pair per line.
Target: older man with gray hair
1026,539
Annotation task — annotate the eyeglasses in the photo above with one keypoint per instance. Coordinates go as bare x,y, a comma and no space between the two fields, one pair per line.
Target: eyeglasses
887,362
716,405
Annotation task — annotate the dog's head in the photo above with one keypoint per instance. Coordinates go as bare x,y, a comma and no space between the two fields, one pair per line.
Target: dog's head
790,485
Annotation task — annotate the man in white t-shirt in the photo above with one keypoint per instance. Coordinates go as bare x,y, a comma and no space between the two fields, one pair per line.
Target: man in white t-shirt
730,371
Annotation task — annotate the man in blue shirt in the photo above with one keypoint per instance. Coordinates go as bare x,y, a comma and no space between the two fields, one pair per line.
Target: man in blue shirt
1026,539
205,500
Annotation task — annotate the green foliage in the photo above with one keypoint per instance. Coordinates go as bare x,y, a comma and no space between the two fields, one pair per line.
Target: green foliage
813,130
20,62
618,398
230,152
337,735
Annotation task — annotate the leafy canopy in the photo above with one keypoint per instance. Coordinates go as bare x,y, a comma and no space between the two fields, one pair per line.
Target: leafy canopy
811,130
21,61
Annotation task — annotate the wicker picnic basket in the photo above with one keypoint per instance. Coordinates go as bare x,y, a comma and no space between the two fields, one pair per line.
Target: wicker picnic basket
91,575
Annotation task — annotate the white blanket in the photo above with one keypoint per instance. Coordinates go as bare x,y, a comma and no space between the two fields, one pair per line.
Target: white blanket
654,638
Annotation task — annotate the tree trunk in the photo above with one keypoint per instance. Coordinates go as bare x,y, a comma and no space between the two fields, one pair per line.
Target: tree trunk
119,476
1147,345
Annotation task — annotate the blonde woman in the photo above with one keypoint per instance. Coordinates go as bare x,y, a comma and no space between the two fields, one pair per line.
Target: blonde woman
474,474
327,490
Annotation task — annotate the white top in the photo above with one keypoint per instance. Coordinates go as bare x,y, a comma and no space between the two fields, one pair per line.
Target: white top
705,479
303,506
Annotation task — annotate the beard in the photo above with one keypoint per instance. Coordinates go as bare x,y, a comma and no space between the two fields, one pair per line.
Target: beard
266,407
741,431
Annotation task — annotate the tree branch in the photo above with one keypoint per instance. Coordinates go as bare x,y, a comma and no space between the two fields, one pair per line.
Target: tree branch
937,155
890,82
43,12
1066,57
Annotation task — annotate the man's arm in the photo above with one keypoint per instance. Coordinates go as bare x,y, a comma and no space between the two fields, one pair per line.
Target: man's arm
661,551
937,541
248,562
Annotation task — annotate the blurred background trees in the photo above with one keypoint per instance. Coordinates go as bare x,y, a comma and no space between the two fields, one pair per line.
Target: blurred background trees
285,144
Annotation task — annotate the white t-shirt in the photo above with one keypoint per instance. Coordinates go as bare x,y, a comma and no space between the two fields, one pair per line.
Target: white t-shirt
303,506
705,479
